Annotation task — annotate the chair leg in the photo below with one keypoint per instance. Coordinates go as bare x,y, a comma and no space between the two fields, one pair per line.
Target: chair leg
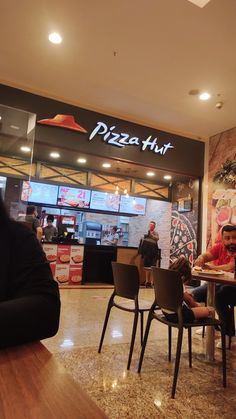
141,326
132,339
169,342
190,346
203,331
105,325
177,361
222,329
149,320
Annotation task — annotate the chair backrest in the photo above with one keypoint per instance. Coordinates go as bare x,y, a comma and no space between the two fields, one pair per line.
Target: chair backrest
126,280
168,288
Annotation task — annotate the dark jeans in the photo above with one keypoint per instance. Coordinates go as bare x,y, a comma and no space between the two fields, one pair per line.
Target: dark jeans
225,300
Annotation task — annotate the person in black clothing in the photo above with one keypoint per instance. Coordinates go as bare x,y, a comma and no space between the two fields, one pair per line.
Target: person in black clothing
29,297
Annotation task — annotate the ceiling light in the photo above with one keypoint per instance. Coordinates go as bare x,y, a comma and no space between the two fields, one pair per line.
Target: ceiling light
106,165
54,155
199,3
25,149
204,96
167,177
0,118
81,160
55,38
150,174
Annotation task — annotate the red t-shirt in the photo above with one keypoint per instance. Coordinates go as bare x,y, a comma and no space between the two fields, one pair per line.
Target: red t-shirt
220,254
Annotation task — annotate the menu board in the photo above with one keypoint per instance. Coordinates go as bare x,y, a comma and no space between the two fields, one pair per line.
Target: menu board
73,197
104,201
40,193
132,205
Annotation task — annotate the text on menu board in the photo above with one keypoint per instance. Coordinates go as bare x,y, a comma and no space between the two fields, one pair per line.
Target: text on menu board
122,139
73,197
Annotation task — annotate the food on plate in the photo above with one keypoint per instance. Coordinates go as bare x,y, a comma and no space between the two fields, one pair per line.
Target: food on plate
212,272
223,215
76,278
64,258
51,258
197,268
62,278
77,259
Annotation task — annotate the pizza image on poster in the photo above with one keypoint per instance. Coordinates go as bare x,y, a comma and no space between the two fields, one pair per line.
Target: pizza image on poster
76,255
183,238
63,253
62,274
50,251
75,274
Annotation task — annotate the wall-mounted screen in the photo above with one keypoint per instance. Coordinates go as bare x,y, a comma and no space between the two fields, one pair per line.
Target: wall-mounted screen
73,197
40,193
185,205
104,201
132,205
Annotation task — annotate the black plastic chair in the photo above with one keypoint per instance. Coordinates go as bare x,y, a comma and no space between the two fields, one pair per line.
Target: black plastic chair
126,281
169,295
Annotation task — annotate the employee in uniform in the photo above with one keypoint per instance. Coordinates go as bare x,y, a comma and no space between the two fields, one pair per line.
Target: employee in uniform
113,237
50,231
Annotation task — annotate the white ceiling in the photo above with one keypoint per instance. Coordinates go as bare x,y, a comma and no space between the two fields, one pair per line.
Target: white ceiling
133,59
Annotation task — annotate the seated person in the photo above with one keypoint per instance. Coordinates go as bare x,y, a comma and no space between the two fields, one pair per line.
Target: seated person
191,311
50,231
29,296
220,257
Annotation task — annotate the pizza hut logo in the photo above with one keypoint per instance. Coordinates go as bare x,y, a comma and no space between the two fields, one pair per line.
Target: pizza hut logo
123,139
109,134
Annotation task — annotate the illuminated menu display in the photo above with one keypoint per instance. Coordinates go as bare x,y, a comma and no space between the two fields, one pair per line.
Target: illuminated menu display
40,193
104,201
132,205
73,197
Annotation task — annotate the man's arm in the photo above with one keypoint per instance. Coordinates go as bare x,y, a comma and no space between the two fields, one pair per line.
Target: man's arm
39,233
203,259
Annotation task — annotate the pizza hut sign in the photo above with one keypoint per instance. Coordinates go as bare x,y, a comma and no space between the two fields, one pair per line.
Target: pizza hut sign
123,139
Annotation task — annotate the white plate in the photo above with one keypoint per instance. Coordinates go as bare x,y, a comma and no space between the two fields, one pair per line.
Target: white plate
210,272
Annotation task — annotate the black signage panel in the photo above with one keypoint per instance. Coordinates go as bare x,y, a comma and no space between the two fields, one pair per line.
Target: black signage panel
71,128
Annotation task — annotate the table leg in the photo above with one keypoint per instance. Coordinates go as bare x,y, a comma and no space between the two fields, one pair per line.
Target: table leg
210,333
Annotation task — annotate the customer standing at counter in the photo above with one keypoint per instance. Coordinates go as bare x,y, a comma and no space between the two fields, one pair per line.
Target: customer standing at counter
50,231
149,251
31,217
29,297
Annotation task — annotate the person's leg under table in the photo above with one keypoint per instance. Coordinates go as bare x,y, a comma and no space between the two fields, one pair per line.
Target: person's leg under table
210,333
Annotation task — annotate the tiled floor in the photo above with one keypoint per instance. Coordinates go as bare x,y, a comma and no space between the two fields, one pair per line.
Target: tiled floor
125,394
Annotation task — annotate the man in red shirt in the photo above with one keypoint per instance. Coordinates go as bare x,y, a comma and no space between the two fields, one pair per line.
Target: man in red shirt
221,257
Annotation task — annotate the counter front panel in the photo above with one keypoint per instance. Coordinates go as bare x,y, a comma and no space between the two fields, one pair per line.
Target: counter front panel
66,262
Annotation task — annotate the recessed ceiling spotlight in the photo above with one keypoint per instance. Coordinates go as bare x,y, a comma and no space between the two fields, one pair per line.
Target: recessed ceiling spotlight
81,160
55,38
106,165
150,174
167,177
204,96
54,155
25,149
0,118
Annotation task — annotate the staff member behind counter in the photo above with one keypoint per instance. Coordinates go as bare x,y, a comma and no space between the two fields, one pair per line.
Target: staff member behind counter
112,238
50,231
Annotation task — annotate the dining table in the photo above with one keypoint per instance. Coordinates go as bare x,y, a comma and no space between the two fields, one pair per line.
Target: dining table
35,385
213,278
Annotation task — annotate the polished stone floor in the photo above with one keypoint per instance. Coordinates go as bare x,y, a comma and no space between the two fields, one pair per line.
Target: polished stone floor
126,394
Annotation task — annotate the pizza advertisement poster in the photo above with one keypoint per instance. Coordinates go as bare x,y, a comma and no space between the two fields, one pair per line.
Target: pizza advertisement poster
62,274
223,211
51,252
63,254
53,269
76,255
75,274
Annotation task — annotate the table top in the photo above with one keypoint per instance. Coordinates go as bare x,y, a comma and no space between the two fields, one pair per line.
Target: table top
227,278
34,385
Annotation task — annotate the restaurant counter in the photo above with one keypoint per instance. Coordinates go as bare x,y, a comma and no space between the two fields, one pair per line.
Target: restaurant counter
76,264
